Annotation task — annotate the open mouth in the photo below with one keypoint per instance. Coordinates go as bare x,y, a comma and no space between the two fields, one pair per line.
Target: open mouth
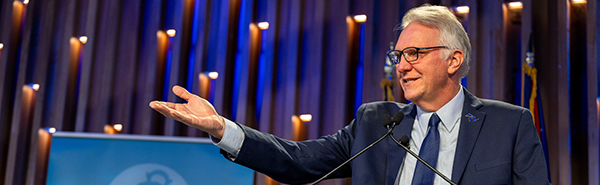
408,80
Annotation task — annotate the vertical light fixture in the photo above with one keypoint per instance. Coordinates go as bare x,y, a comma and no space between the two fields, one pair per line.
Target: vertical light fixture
213,75
118,127
356,44
298,129
162,66
83,39
1,46
515,5
462,9
360,18
28,103
35,87
51,130
205,87
305,117
108,129
171,32
263,25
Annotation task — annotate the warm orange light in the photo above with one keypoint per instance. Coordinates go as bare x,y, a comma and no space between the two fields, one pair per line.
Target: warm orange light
515,5
305,117
263,25
1,46
83,39
171,32
109,129
35,87
213,75
25,2
118,127
579,1
360,18
462,9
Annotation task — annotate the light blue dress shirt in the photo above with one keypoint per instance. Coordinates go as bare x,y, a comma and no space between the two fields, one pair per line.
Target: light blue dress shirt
450,119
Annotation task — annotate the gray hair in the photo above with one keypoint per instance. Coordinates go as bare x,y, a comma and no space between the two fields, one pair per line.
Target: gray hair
452,33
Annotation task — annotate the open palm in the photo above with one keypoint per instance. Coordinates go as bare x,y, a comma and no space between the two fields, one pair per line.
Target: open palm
197,112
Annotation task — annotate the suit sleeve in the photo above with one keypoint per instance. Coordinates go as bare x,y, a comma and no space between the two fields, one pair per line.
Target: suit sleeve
529,163
297,162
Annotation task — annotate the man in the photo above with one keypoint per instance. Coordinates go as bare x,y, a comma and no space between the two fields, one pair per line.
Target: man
470,140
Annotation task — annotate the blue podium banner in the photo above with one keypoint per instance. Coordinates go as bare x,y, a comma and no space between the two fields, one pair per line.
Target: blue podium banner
87,158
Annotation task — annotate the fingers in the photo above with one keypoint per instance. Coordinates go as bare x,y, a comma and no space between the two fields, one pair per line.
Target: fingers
168,109
161,107
160,104
182,92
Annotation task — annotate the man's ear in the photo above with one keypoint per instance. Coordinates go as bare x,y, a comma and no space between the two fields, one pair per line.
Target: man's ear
455,60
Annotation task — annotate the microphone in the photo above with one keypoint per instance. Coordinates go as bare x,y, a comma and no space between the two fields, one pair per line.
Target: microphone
404,144
388,122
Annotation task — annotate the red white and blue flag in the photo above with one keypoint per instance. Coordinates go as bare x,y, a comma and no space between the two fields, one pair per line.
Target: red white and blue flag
530,98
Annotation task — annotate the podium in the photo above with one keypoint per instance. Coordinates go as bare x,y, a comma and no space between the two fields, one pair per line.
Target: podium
89,158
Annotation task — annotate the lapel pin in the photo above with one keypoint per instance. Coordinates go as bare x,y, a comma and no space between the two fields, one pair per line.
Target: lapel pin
471,118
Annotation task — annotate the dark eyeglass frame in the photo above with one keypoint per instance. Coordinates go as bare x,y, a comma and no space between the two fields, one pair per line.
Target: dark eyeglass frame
395,59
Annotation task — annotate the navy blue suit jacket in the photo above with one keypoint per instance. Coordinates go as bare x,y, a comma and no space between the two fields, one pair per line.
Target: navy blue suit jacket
497,144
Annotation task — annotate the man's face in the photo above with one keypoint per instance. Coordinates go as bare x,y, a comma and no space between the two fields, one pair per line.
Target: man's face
427,78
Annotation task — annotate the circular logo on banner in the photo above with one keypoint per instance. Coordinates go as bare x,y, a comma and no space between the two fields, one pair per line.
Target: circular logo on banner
148,174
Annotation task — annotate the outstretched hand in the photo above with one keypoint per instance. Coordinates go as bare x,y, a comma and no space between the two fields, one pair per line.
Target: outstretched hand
197,112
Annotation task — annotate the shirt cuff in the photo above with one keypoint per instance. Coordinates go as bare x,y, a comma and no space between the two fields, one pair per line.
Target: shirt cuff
232,140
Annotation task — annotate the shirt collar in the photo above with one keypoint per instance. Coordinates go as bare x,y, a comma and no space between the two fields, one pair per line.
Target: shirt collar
449,113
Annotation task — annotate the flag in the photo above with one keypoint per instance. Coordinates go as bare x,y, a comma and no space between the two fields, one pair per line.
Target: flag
386,83
530,97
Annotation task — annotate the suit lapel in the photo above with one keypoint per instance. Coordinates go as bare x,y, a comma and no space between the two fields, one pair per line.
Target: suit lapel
470,125
396,154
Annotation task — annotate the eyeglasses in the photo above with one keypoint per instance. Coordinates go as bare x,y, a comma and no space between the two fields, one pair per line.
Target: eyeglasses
411,54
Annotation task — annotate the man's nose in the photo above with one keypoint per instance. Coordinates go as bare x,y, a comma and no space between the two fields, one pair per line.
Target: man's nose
403,66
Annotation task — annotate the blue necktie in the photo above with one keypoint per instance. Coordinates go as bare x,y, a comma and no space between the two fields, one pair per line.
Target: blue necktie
429,152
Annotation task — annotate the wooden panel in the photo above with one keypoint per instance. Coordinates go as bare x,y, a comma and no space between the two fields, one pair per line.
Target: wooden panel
174,19
126,64
472,30
336,45
17,162
38,75
269,11
198,47
287,68
512,52
62,102
23,106
578,103
243,100
382,30
311,75
224,57
592,92
371,68
102,74
6,88
89,29
550,30
11,38
270,38
144,117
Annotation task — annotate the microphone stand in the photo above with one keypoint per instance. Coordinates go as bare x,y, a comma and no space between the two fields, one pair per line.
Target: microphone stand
423,161
389,132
